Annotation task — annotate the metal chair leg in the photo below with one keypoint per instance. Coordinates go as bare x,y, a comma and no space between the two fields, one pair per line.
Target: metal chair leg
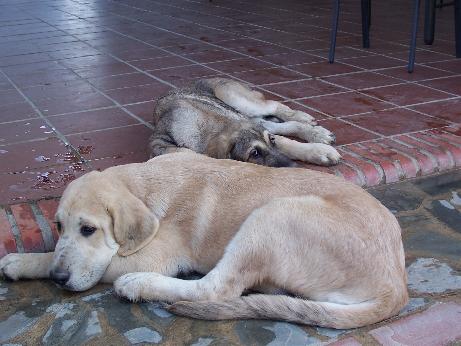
366,6
411,59
334,31
458,27
429,21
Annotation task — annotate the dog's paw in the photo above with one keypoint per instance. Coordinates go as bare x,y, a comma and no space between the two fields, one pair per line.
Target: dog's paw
130,286
323,155
303,117
319,134
12,266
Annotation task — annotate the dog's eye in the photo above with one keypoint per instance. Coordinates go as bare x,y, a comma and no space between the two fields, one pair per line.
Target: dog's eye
86,231
58,226
254,153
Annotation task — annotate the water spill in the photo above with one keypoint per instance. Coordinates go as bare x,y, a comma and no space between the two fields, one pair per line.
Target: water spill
3,290
96,296
93,326
456,200
158,311
42,158
413,304
446,204
428,275
61,310
143,334
66,324
202,342
330,332
15,325
289,334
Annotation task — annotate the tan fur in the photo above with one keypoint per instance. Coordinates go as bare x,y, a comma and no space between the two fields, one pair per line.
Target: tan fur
325,241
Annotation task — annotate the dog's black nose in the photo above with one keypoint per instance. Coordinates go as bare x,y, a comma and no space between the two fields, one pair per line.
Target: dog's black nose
60,276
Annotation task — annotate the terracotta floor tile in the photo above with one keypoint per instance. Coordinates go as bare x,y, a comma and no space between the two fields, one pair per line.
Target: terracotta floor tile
78,102
213,55
406,94
113,143
450,84
422,56
345,104
161,63
451,65
91,120
8,97
267,76
137,54
42,182
448,110
120,81
177,73
104,70
138,93
395,121
143,110
44,77
239,65
292,58
58,90
25,130
423,73
322,69
305,88
362,80
34,155
263,50
346,133
16,111
374,62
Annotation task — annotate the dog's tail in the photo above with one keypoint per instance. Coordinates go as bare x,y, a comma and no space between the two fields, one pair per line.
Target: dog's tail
285,308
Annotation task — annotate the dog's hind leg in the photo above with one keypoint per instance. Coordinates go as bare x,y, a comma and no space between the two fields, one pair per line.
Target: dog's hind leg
160,145
253,104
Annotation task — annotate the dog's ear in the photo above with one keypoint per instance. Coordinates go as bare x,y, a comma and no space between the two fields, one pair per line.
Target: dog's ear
134,224
220,147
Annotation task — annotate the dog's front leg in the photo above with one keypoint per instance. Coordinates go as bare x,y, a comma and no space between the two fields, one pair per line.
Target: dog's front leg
17,266
318,153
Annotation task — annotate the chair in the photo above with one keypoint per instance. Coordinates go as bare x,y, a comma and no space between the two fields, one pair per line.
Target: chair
429,22
429,27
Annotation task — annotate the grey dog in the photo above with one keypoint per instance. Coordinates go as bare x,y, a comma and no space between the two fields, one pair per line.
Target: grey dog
225,119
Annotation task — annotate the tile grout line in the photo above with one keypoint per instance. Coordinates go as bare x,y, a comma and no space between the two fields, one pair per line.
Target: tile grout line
59,135
45,229
15,230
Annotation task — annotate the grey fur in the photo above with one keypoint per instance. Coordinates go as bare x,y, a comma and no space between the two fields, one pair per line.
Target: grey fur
196,118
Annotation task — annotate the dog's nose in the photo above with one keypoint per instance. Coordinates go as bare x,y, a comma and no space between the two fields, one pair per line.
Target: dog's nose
59,276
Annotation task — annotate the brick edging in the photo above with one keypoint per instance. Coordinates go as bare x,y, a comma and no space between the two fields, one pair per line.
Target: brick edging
28,227
389,160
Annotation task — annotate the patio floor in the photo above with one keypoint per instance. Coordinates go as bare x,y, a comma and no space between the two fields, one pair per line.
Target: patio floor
78,80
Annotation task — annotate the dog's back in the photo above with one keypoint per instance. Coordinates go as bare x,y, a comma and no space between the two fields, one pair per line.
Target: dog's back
192,116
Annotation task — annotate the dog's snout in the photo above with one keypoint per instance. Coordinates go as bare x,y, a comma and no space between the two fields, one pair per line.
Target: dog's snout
60,276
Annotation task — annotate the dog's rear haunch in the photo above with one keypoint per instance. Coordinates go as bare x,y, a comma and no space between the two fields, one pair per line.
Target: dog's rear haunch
330,245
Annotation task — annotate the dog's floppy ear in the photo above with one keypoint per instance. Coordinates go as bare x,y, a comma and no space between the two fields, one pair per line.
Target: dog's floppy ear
220,147
134,224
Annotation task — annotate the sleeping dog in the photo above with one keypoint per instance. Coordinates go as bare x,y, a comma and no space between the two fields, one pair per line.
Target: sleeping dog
224,119
329,245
